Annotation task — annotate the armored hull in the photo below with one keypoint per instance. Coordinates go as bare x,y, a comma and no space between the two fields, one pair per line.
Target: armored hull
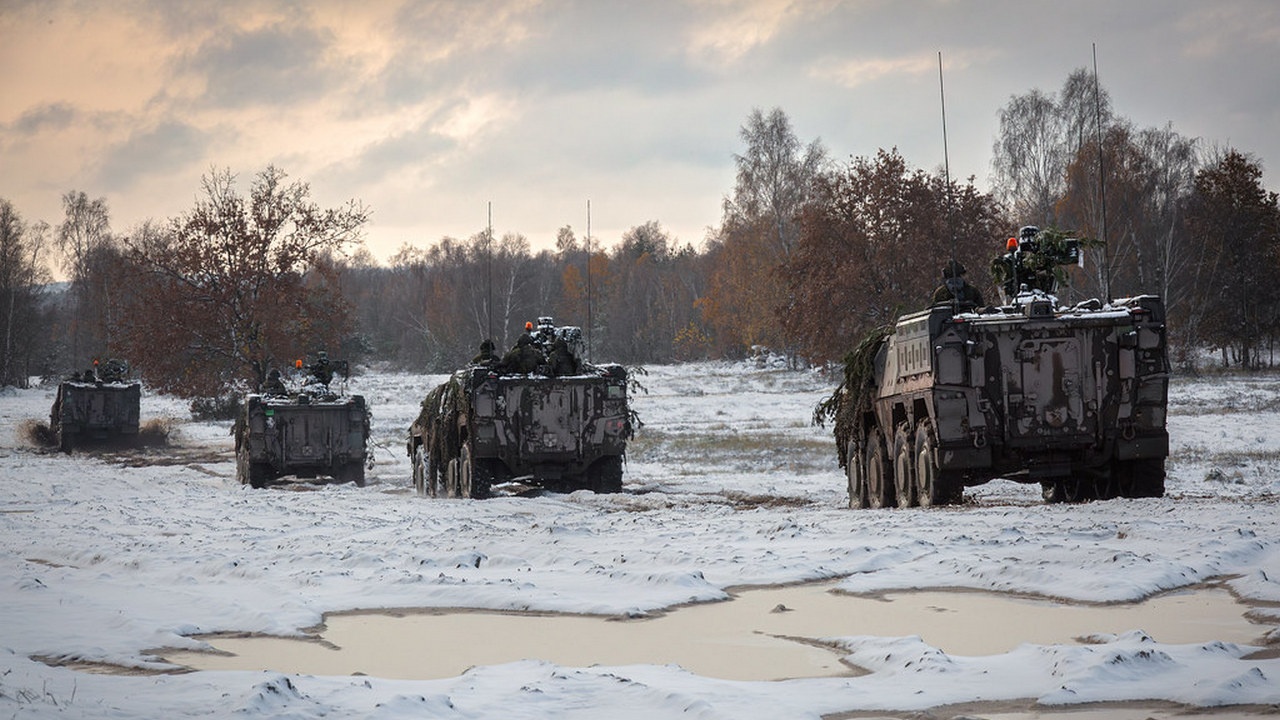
1073,399
561,433
303,435
85,412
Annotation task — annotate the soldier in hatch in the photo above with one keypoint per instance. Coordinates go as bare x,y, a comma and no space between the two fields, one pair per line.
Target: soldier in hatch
525,357
321,369
955,288
486,356
562,359
274,384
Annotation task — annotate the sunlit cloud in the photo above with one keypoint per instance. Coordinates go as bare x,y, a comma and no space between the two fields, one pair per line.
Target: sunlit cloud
851,73
731,28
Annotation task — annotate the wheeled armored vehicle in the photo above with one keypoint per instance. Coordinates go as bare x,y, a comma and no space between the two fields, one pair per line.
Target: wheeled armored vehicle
490,424
99,406
308,433
1072,398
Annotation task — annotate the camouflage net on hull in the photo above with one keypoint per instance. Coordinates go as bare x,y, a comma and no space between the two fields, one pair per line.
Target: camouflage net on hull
438,420
852,399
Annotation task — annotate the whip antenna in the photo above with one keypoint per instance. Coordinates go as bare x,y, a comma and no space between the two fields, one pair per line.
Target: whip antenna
588,281
1102,179
946,174
488,271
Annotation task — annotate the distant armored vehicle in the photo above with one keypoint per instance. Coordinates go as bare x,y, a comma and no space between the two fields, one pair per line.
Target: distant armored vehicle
100,405
1072,398
544,419
308,433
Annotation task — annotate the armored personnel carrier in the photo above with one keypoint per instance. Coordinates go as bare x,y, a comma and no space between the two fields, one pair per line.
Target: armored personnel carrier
1072,398
99,406
545,419
309,432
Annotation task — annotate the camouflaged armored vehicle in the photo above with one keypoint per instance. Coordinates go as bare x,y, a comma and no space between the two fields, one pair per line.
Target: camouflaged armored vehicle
307,433
562,425
99,406
1071,398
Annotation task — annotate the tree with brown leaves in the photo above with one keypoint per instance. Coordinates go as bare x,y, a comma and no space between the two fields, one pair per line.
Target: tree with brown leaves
872,246
235,286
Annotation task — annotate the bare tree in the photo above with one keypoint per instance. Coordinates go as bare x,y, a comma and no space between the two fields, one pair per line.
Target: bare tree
22,279
88,252
1040,135
759,231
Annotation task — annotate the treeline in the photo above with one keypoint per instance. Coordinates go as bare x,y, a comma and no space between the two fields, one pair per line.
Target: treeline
810,255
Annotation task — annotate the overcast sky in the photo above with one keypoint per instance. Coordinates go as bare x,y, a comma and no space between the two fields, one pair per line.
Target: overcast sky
427,112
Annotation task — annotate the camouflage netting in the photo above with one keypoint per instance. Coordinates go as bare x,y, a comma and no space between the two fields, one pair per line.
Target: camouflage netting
438,420
852,399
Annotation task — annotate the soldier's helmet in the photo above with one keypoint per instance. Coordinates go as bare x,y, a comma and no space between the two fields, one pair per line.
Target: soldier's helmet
486,345
953,269
1028,232
524,340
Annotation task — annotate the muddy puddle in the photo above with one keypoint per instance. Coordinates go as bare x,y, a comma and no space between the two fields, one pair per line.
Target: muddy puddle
751,637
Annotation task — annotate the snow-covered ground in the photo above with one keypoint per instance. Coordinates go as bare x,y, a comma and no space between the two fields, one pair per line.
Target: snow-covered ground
105,559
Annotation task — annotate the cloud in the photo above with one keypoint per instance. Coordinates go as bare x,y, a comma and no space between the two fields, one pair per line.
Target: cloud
52,116
727,30
854,72
273,65
169,147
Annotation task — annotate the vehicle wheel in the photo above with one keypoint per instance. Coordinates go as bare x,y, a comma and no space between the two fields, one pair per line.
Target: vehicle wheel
1140,478
464,473
904,466
879,482
255,475
474,478
1068,490
1105,481
934,486
482,477
419,460
855,469
605,475
352,472
242,467
451,479
433,476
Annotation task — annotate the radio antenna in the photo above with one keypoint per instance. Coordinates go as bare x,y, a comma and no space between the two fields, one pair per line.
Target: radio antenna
589,281
946,174
946,160
488,271
1102,179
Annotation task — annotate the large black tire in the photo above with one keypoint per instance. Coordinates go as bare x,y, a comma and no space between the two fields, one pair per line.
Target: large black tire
904,468
451,479
934,486
855,469
605,475
1142,478
350,472
878,472
1074,489
255,475
434,476
419,460
474,477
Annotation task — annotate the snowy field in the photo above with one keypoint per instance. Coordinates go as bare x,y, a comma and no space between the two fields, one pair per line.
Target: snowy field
106,560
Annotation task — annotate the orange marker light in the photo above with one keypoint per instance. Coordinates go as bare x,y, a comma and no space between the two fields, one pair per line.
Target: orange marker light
1012,244
298,363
